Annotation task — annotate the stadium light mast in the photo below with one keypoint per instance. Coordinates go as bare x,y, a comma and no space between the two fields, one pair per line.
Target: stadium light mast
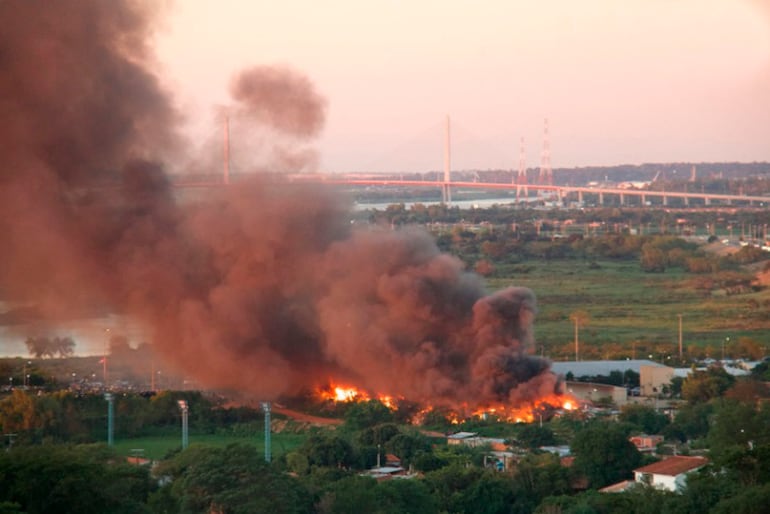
110,418
185,411
268,450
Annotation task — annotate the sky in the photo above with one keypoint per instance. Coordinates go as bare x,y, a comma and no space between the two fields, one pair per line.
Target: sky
620,82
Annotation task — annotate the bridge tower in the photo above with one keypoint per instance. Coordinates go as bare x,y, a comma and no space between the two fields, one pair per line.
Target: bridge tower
446,192
521,178
226,151
546,174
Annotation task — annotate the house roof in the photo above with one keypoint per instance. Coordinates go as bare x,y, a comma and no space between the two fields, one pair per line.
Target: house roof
620,487
462,435
673,466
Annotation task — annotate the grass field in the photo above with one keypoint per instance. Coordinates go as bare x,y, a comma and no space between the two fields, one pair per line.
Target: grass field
156,447
629,306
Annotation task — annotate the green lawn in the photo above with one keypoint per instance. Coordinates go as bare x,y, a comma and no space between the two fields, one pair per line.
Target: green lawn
627,305
156,447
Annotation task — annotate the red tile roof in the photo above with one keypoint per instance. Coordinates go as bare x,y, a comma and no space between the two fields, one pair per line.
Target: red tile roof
673,466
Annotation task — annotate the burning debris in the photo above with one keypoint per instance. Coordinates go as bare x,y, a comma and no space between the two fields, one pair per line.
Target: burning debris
263,288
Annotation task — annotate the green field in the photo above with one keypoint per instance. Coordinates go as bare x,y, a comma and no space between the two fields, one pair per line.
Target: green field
631,308
156,447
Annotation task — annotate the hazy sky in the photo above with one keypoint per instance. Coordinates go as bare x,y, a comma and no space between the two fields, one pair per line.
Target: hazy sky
620,81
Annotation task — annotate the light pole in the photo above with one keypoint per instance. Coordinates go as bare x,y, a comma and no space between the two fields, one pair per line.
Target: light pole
268,451
680,336
110,418
185,410
726,341
104,356
25,378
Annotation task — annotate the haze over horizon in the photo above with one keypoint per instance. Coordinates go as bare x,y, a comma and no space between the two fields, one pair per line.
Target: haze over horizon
621,83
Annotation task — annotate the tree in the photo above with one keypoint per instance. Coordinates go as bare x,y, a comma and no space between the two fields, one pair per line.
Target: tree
64,346
737,426
328,450
367,414
534,436
231,480
693,420
701,386
350,495
379,434
748,501
39,347
17,412
604,454
652,260
644,418
404,497
407,446
537,477
84,479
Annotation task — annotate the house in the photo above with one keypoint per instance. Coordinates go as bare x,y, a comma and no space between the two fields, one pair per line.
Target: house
473,440
670,473
646,443
381,473
467,438
392,461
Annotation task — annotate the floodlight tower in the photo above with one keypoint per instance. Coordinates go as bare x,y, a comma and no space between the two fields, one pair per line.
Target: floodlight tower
185,411
110,418
268,449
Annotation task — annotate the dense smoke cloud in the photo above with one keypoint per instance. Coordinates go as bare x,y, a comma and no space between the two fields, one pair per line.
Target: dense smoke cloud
281,98
263,287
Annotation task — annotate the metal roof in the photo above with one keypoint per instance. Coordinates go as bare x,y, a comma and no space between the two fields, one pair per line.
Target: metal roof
595,368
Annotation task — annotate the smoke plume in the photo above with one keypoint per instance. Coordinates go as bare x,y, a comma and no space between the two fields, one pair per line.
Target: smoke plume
264,287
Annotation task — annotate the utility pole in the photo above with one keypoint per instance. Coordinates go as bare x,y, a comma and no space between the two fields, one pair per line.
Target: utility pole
577,344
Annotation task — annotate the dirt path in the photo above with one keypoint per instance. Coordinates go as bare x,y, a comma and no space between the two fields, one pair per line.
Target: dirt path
307,418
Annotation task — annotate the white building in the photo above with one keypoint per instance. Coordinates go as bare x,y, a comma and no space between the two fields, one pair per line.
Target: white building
669,474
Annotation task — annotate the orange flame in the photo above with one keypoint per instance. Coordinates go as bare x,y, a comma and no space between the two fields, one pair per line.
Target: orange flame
524,413
529,412
347,393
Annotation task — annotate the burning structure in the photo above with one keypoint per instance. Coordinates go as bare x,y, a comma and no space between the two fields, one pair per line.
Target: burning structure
263,288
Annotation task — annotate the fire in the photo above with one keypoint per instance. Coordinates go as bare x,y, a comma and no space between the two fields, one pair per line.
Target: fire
524,413
340,393
529,412
347,393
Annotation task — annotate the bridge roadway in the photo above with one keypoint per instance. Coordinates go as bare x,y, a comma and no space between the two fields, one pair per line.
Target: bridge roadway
523,190
560,191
